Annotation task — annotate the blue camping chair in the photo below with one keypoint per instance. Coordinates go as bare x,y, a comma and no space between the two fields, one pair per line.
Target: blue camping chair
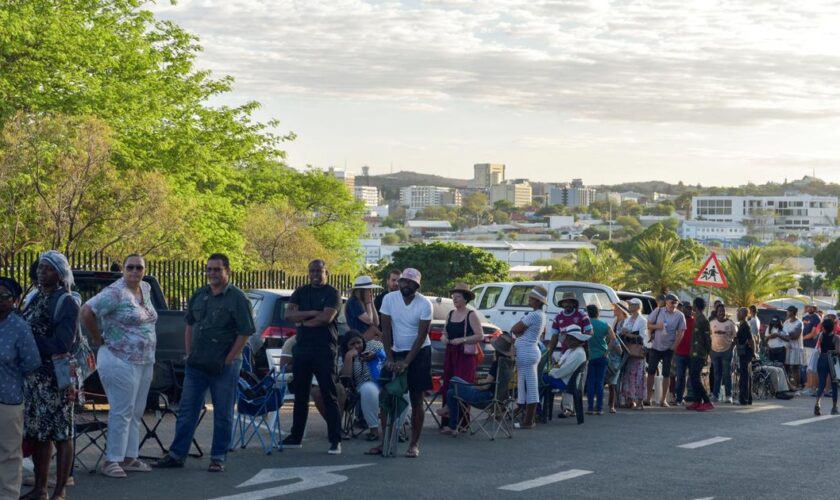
258,405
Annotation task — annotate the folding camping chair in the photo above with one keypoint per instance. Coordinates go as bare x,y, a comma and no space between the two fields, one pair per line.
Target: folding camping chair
258,403
90,423
495,415
431,397
165,387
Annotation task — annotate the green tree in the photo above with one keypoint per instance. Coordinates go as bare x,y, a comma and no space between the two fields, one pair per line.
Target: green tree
501,217
505,206
601,266
828,260
561,269
753,277
660,266
631,225
443,264
390,239
810,284
780,251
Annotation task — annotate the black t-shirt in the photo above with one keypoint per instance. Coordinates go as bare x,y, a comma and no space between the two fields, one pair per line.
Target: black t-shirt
744,333
311,298
377,301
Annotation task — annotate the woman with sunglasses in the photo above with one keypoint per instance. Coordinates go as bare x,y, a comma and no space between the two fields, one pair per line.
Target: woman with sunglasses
123,316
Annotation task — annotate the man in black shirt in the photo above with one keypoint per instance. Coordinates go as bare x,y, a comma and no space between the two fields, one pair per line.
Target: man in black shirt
392,285
314,308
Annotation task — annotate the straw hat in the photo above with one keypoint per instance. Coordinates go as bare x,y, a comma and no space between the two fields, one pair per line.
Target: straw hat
464,290
624,306
503,344
539,293
364,282
576,332
569,296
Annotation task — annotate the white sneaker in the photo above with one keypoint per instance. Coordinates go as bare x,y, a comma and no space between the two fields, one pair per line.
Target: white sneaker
729,400
335,449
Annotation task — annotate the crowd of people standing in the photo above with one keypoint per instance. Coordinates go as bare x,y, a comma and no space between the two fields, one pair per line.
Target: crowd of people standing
641,360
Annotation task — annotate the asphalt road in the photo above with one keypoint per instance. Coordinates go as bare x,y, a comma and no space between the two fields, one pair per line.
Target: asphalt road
730,455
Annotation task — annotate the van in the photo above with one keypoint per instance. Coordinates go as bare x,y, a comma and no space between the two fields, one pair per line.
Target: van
504,304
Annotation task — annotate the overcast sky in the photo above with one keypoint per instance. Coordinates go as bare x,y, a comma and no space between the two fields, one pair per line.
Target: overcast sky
719,93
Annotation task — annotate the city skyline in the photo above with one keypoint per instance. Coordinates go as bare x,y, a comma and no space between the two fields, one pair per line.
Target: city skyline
701,91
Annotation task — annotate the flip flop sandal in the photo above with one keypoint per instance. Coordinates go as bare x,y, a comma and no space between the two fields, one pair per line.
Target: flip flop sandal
137,466
216,466
412,453
112,469
374,451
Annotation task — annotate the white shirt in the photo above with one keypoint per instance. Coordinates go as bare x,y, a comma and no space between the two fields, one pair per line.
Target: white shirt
775,343
639,324
405,319
791,327
569,362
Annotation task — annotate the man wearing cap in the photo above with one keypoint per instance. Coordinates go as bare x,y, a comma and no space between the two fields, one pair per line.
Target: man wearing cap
314,308
18,357
810,323
569,316
666,326
406,316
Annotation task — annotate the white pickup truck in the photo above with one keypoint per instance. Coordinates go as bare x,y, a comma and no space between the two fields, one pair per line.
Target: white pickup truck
504,304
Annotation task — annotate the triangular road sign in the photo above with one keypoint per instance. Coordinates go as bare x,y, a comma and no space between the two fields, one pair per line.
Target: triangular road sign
711,274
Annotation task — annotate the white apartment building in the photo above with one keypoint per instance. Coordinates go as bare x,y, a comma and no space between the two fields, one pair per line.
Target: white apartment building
348,178
703,230
571,196
369,195
790,212
420,197
488,175
517,192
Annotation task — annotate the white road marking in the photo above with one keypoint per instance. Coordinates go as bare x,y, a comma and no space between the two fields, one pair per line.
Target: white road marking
809,420
310,477
705,498
542,481
756,409
705,442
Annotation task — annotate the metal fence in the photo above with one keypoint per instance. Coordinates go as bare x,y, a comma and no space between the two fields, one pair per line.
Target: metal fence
178,278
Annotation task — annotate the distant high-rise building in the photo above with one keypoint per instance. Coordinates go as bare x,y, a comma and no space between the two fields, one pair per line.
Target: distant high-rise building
517,192
571,195
488,175
420,197
348,178
367,194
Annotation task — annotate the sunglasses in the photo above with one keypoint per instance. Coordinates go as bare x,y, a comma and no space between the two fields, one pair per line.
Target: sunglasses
214,269
6,296
132,267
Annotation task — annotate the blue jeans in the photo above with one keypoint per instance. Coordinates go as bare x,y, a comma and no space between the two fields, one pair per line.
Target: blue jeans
222,393
681,363
595,376
468,393
722,363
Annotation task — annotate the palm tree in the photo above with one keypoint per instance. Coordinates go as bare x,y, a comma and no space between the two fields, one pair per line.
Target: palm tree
659,265
811,283
753,277
603,266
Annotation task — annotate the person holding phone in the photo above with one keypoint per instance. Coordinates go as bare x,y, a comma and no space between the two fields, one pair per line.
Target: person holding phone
723,337
362,364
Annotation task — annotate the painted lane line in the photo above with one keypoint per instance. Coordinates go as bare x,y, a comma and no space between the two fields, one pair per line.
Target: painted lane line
705,442
810,420
705,498
542,481
756,409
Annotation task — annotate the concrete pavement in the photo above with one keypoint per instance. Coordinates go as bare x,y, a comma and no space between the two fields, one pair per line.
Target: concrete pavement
771,450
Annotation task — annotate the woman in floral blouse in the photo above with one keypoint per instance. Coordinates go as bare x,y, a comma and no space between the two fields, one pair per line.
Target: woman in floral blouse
124,316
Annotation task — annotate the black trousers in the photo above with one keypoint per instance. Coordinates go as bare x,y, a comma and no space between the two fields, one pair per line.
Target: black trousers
695,368
745,379
321,364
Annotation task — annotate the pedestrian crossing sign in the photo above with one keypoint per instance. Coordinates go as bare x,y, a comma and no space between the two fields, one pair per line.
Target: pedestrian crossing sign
711,274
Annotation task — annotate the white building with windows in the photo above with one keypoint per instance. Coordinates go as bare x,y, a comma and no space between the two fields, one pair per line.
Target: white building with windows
790,212
369,195
420,197
707,230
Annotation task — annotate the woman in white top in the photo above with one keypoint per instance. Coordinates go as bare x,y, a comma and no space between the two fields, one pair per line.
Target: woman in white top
527,332
795,355
633,335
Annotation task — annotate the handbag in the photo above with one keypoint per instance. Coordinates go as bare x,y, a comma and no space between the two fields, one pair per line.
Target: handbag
472,349
834,366
61,367
81,361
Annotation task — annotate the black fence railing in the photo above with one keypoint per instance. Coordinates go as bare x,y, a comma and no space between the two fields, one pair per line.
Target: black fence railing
178,278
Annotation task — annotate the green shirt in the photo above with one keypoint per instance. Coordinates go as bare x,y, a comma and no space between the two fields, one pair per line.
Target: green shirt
219,318
598,342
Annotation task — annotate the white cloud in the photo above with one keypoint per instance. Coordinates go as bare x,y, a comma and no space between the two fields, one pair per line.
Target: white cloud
704,62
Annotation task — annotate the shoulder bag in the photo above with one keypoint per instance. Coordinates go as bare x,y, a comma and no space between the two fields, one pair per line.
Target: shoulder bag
80,363
472,349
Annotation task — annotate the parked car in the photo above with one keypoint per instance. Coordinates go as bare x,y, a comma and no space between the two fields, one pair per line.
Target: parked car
442,306
504,304
648,301
273,329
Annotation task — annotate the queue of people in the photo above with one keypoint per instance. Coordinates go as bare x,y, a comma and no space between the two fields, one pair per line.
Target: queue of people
634,357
